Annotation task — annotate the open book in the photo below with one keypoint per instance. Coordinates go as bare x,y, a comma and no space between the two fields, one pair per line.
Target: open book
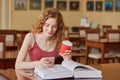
68,68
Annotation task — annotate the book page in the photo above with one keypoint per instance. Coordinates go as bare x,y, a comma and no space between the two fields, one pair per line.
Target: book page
55,69
72,65
82,68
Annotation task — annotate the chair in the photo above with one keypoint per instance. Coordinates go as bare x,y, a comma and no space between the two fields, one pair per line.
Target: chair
66,33
10,43
95,54
106,27
2,46
93,34
21,34
11,37
114,36
80,40
5,62
82,35
76,42
74,38
79,43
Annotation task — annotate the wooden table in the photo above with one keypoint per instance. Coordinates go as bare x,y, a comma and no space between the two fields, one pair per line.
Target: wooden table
110,71
102,44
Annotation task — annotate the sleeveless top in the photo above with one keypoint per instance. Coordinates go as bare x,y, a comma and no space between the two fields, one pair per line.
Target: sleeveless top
36,53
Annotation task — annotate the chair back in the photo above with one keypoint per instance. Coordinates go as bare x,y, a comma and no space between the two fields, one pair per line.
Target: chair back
66,33
10,35
21,34
93,34
113,35
82,31
2,46
106,27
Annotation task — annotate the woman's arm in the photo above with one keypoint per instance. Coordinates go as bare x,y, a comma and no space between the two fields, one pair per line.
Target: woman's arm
27,44
20,61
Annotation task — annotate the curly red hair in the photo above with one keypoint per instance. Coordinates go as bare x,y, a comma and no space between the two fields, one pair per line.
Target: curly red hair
41,19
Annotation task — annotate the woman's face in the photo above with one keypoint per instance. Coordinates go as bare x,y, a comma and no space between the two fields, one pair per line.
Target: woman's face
50,27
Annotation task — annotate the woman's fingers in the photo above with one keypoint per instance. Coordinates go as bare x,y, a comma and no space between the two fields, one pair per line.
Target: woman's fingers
68,51
67,56
46,62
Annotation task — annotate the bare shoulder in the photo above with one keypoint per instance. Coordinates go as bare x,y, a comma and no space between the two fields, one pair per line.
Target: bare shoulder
29,37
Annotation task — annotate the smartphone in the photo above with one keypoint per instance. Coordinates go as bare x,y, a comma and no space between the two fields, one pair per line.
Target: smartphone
51,59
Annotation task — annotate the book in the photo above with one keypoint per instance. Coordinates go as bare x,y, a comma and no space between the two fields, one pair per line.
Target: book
67,69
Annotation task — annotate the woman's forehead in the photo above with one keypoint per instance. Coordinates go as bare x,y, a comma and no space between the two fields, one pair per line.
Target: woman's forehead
51,21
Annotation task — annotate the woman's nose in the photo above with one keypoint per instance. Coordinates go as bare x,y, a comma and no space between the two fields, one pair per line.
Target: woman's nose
50,29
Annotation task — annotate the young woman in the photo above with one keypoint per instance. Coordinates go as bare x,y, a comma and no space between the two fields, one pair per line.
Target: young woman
43,41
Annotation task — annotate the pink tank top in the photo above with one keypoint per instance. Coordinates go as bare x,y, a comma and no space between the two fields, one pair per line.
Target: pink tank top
36,53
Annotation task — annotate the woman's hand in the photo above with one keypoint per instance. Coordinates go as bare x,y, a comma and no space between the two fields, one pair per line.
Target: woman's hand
67,55
45,62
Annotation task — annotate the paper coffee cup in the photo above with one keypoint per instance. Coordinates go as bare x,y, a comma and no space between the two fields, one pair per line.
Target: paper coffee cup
66,45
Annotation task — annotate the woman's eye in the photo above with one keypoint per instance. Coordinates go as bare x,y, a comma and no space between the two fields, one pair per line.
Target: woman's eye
54,26
47,25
